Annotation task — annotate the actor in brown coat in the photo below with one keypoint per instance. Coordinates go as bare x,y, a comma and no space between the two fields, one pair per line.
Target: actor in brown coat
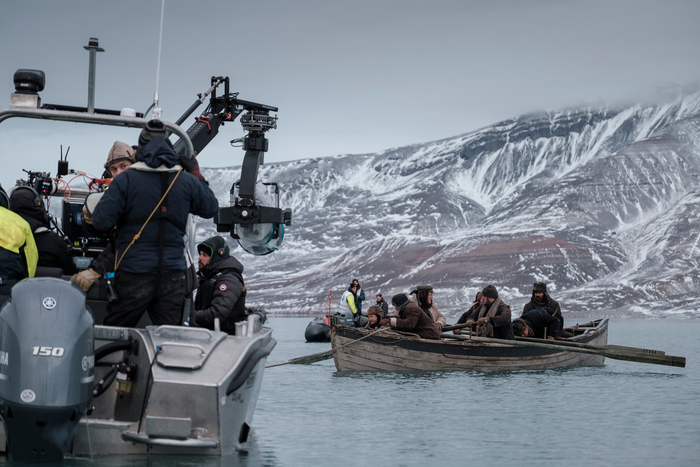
492,317
423,297
411,318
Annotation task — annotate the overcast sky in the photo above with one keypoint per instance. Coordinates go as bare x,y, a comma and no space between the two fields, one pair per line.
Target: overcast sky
348,77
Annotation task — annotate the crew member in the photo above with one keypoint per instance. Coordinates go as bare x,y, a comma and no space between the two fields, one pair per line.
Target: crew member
411,318
359,296
537,323
18,253
120,157
383,304
349,298
149,204
222,291
54,250
492,317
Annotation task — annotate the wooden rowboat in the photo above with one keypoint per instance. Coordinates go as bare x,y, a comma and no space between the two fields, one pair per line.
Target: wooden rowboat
391,351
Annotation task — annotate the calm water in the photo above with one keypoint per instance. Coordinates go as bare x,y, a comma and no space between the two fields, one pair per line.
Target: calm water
621,414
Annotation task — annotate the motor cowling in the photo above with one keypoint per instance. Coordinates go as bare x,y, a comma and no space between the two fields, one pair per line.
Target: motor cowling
46,367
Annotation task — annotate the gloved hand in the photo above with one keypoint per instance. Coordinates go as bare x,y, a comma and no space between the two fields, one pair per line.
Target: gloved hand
85,279
87,216
483,321
439,326
457,331
470,323
384,322
191,165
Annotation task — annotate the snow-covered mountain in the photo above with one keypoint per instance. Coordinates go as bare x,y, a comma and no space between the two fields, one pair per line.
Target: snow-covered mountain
599,203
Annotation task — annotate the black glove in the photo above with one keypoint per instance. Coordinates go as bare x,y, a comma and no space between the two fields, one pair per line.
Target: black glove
188,163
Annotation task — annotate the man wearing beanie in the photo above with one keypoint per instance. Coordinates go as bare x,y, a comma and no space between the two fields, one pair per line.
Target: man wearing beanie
410,318
541,299
149,204
492,318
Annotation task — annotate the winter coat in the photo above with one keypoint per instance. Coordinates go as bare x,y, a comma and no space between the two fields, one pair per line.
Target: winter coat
385,306
502,326
547,303
221,294
433,311
540,319
413,319
463,319
349,299
18,252
359,298
134,194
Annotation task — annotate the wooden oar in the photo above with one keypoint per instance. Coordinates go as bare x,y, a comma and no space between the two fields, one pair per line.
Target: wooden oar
614,352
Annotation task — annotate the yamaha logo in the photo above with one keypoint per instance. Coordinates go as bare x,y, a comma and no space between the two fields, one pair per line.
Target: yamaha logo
49,303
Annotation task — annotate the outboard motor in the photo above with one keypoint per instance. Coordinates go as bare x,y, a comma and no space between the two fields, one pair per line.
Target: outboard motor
47,360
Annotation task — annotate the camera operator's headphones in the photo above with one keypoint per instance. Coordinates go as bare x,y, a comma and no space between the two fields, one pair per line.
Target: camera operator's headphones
37,201
4,199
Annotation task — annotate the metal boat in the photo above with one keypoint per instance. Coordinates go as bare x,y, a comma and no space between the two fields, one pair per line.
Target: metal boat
71,386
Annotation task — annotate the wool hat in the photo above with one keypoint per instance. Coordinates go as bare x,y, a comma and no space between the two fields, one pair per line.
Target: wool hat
518,327
399,299
154,129
490,292
4,199
215,247
378,295
429,288
539,287
120,152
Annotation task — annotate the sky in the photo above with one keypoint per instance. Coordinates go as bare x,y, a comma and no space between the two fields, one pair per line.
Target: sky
348,77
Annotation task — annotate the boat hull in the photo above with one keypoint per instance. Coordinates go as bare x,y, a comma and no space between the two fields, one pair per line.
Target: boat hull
395,352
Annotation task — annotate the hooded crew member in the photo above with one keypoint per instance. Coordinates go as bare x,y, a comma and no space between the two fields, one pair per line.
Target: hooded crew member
541,299
222,291
54,251
18,252
150,275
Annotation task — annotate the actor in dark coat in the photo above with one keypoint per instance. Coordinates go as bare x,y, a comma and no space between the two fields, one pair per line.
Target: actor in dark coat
54,250
541,299
492,317
475,305
411,318
535,322
221,292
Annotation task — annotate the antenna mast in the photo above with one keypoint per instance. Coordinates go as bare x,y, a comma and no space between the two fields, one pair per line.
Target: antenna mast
157,110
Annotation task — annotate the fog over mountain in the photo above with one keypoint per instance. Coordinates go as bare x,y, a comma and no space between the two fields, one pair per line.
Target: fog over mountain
599,203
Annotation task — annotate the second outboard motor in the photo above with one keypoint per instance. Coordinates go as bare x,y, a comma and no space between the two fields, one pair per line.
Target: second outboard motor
47,359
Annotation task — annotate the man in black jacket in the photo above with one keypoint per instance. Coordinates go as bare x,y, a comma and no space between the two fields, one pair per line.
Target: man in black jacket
54,250
149,204
537,323
541,299
221,292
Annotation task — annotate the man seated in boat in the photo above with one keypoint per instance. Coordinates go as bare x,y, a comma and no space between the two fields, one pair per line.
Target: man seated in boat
410,318
423,296
541,299
222,291
463,319
492,318
537,323
374,317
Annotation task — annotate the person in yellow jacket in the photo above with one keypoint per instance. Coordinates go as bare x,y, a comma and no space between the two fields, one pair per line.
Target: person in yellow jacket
349,298
18,252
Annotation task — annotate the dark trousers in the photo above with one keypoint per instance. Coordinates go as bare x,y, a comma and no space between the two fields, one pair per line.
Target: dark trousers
161,296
